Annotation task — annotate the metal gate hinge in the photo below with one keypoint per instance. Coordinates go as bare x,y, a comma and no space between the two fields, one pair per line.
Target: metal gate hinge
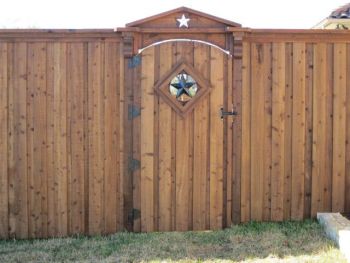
134,164
133,111
134,61
134,214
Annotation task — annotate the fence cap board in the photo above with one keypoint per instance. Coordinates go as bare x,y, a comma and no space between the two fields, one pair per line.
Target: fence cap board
66,34
291,35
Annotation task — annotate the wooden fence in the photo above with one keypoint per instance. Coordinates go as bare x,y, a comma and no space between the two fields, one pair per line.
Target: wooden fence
64,117
59,134
295,158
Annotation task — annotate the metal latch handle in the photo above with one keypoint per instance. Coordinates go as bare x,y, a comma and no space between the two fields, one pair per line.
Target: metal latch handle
227,113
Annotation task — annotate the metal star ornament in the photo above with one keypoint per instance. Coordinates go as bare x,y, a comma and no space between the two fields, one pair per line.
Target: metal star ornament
183,87
183,21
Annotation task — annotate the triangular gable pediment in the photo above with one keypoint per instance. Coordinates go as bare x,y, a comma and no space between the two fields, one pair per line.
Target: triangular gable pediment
170,18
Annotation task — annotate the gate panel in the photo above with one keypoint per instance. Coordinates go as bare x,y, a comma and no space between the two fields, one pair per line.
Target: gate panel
182,157
165,142
147,141
201,144
216,139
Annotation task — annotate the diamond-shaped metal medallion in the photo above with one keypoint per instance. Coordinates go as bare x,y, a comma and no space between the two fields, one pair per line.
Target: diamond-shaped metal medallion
182,87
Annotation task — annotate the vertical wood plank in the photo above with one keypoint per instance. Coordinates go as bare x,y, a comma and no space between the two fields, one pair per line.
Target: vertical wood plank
147,140
122,128
75,86
308,129
165,146
111,138
246,133
52,185
278,130
288,133
38,137
4,212
234,139
95,124
257,134
267,127
339,128
347,175
298,132
216,139
17,158
183,162
319,149
156,142
60,134
136,142
173,150
231,159
200,144
127,146
327,204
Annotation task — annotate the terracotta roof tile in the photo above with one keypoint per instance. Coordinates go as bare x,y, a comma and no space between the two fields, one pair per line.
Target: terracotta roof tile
341,12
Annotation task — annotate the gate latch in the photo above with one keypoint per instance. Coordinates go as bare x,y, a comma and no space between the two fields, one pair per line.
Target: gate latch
227,113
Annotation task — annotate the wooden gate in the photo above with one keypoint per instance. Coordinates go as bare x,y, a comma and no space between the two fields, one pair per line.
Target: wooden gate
180,143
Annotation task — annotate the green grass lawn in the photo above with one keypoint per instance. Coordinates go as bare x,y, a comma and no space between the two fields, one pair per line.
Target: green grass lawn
251,242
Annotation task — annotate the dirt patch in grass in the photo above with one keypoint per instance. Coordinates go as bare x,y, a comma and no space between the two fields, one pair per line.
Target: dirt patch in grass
251,242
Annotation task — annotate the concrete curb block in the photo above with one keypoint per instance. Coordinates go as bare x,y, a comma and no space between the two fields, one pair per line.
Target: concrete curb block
337,228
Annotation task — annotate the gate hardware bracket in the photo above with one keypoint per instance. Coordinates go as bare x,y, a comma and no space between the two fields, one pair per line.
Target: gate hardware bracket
227,113
134,214
134,61
134,164
133,111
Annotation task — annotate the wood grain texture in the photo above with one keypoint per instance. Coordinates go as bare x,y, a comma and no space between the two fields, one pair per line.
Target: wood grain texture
319,151
278,130
17,159
52,191
216,139
234,139
147,140
165,63
308,129
111,182
76,182
287,189
66,139
298,132
347,154
267,128
246,134
96,137
4,194
258,119
339,128
183,151
201,139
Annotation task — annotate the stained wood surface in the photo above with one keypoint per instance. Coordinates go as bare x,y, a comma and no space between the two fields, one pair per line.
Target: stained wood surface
45,155
298,132
186,178
4,195
309,91
66,138
278,131
147,141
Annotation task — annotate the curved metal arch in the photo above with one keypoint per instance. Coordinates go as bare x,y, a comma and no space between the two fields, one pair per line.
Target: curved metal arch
227,52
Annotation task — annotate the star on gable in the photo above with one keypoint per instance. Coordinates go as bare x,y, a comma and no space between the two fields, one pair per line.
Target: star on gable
183,21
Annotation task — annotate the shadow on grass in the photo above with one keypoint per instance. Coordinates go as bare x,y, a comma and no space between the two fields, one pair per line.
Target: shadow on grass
239,243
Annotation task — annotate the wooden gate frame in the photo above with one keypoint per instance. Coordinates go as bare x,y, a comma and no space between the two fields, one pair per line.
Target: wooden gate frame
140,34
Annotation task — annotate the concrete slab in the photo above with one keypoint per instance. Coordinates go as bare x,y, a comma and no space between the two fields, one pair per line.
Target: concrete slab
337,227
